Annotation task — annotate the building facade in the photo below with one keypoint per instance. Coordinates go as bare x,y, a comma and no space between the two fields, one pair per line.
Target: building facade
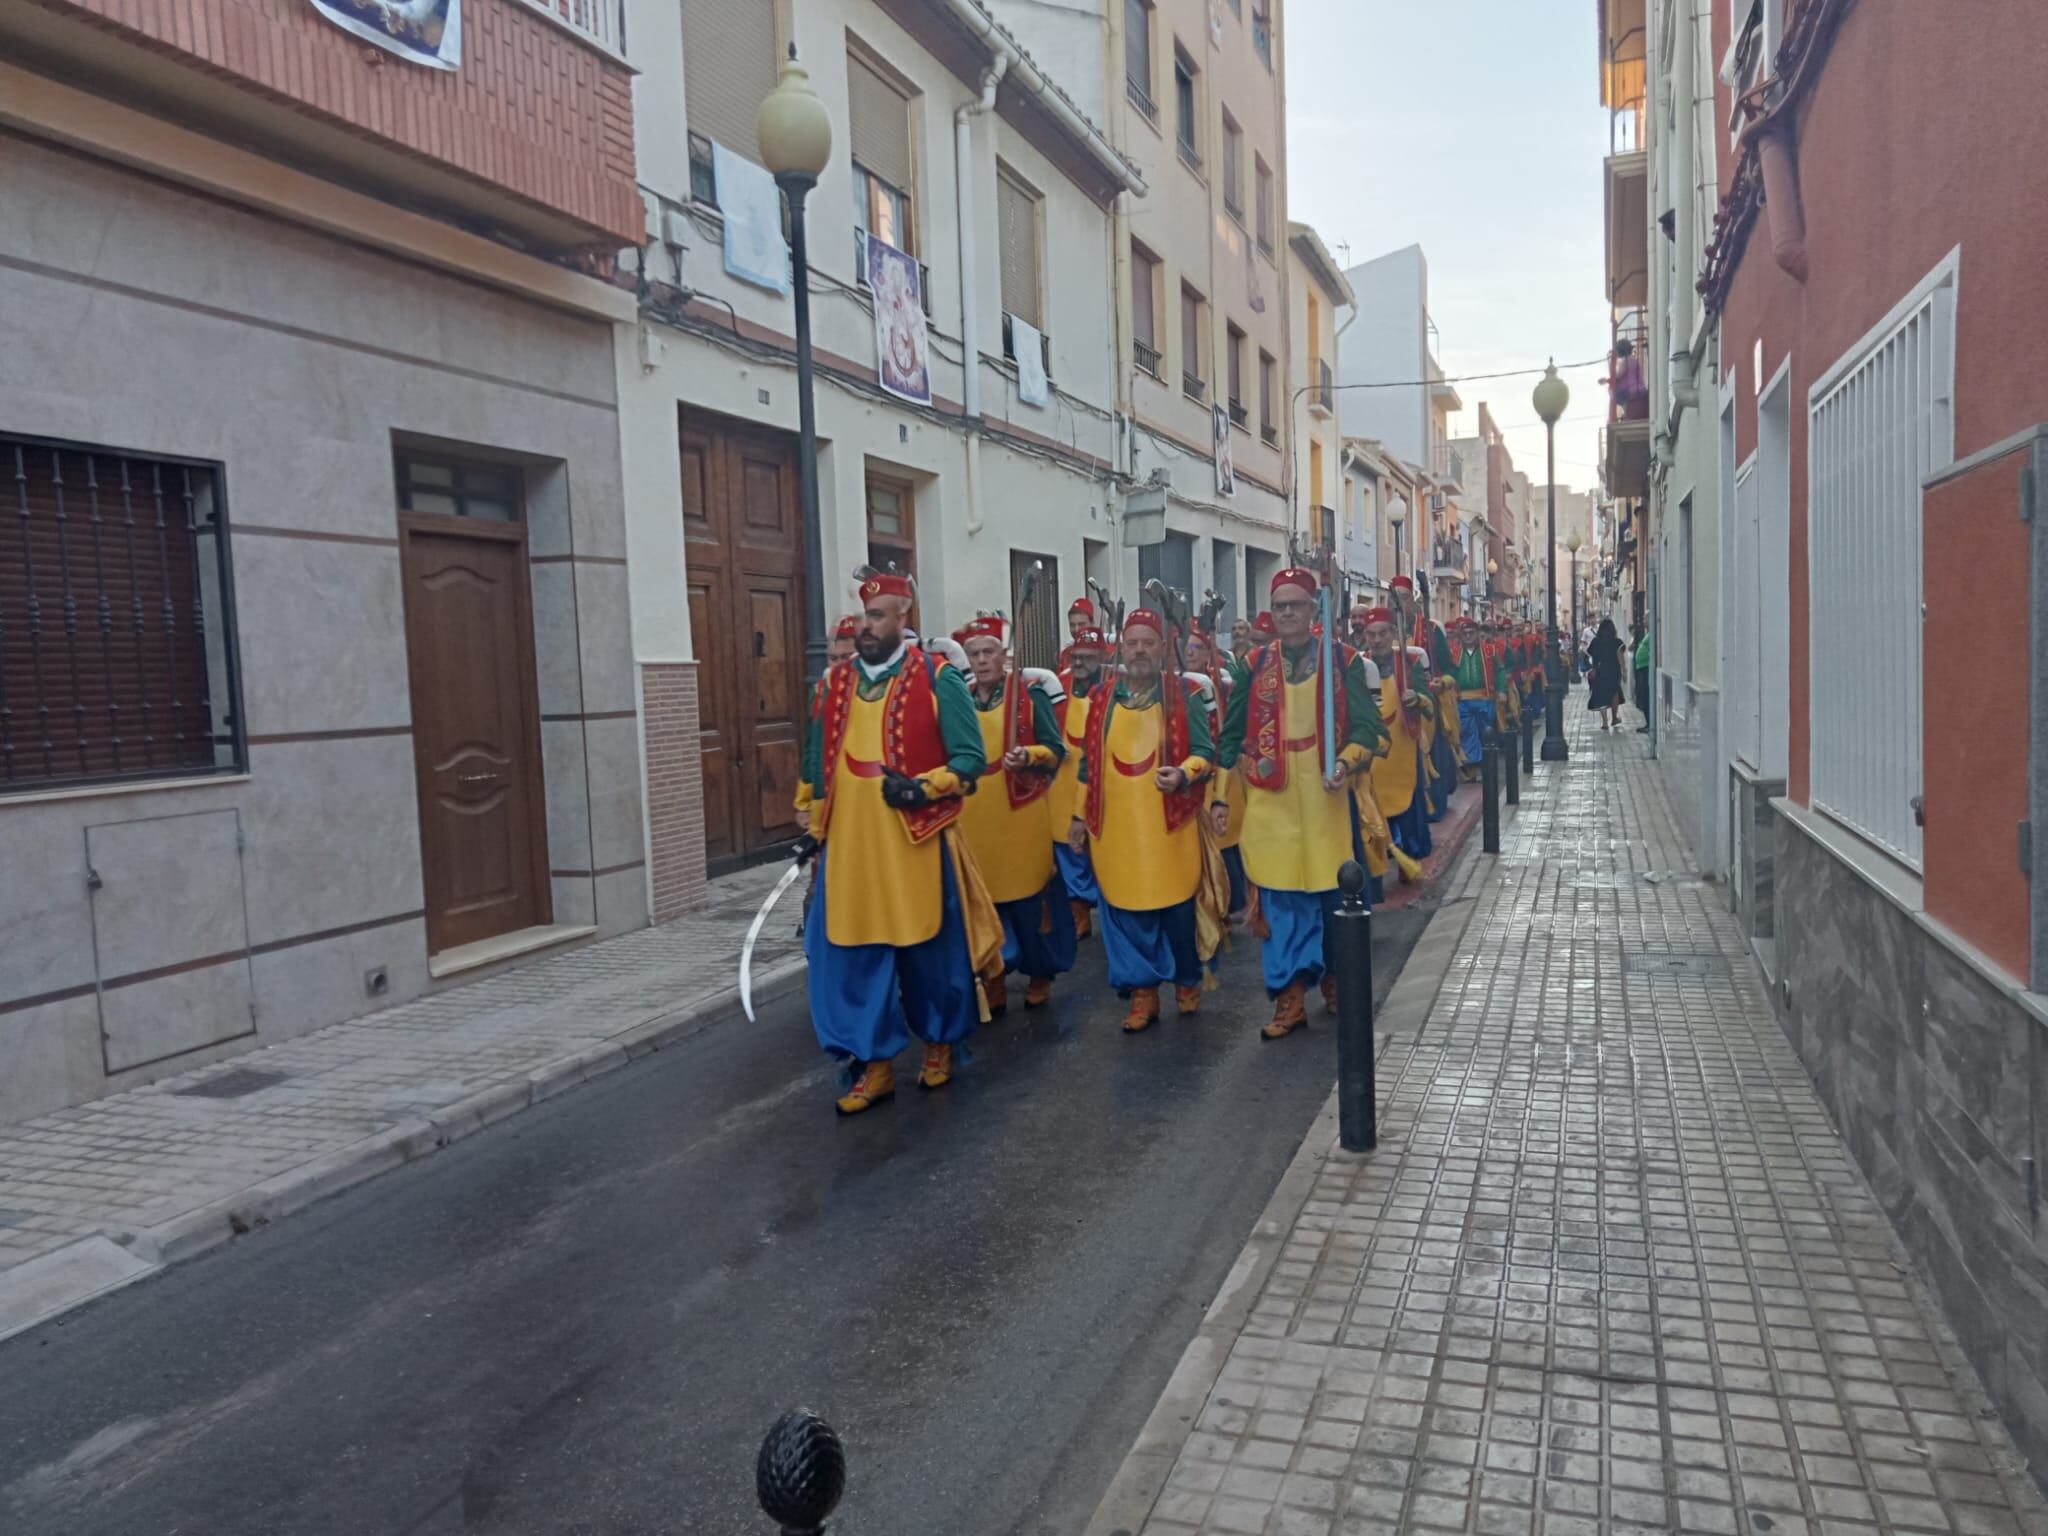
1316,293
317,681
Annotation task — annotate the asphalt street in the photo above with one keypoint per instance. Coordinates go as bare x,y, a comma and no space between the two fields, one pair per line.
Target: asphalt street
583,1320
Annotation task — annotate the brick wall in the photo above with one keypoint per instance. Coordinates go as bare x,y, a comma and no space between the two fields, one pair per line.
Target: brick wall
675,788
532,110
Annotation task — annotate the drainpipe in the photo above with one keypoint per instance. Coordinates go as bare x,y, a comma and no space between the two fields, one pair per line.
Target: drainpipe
970,305
1781,197
1685,392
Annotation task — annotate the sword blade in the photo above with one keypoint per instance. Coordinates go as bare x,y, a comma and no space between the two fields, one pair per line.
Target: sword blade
753,936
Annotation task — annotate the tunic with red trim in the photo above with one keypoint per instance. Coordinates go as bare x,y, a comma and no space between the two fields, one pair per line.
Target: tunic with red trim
1146,843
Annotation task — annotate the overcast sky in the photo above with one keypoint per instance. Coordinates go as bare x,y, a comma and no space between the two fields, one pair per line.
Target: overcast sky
1474,127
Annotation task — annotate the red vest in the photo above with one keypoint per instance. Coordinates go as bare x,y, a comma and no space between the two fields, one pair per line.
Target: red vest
911,740
1020,729
1182,804
1265,710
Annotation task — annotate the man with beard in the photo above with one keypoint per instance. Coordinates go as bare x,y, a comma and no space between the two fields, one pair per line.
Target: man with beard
1144,777
1298,826
1241,638
1005,820
1084,676
1080,616
900,925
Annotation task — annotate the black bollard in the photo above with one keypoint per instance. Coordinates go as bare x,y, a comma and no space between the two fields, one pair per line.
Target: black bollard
1529,747
1512,760
800,1473
1489,793
1351,949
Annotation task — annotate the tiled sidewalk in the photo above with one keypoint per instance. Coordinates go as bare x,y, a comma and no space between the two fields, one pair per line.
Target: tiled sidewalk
1610,1269
98,1194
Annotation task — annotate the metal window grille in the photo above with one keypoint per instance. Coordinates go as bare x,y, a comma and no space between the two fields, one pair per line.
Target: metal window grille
117,654
1040,625
1876,433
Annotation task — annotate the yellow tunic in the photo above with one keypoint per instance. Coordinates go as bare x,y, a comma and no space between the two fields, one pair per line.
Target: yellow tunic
1012,846
1066,800
1298,837
880,887
1393,776
1141,866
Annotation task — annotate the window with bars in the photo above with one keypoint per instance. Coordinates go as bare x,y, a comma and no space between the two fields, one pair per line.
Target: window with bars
1039,625
117,649
1187,109
1138,56
1233,168
878,134
1264,211
1194,324
729,64
1881,422
1145,308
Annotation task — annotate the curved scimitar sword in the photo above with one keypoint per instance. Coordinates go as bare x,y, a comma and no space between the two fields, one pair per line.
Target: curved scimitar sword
804,851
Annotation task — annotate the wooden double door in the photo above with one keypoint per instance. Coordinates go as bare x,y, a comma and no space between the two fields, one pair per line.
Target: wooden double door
743,522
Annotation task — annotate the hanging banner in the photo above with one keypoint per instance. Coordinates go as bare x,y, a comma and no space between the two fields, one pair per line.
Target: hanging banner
1032,386
902,359
1219,437
425,32
755,251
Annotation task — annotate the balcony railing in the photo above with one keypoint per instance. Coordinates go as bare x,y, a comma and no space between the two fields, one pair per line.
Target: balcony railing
1239,416
1269,434
1190,156
1322,392
1625,123
1044,345
1141,99
1147,359
1262,35
1447,557
1194,386
1628,387
924,280
599,20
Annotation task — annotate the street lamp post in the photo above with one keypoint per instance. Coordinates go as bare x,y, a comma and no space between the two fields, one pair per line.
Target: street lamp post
795,134
1397,514
1572,544
1550,399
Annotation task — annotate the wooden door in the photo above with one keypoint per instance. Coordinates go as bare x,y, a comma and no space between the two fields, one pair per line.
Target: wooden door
743,519
476,728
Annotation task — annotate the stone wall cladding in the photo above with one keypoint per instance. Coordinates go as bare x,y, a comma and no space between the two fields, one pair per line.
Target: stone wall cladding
675,788
532,110
1930,1073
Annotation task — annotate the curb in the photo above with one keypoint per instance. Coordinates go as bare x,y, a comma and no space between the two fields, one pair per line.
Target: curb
1127,1503
197,1231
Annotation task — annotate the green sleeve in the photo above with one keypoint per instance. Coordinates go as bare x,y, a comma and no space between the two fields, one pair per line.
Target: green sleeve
1045,723
1231,747
1362,707
1440,652
811,766
958,726
1201,740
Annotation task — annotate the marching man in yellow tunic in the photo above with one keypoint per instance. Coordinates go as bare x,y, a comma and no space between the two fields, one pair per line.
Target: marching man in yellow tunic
1149,754
1082,677
1286,704
899,924
1006,820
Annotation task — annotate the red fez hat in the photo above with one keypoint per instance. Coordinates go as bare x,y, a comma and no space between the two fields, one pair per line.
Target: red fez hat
1402,584
886,583
1294,576
990,626
1091,636
1144,618
1378,616
1263,624
1081,605
847,628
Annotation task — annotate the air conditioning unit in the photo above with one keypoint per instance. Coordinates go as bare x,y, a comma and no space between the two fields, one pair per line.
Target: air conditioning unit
1438,500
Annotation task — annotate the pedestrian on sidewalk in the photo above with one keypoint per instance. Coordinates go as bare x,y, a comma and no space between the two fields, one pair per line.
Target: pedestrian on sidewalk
1606,655
1006,821
1299,824
1077,874
1145,775
1642,668
901,927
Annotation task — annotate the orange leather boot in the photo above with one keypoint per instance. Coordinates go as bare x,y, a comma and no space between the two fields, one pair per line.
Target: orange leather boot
1289,1014
877,1085
1144,1010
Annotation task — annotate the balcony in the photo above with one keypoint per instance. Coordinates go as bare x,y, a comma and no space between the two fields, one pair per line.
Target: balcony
1269,434
1239,416
1009,337
530,139
1322,390
1194,386
1447,561
1147,359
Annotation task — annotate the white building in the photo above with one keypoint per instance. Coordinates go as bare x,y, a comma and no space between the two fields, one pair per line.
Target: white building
935,109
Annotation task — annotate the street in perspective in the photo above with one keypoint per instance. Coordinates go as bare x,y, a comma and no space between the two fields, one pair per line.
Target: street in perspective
1046,767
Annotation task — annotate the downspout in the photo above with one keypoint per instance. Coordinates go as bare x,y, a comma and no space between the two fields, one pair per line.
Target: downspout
1685,391
970,306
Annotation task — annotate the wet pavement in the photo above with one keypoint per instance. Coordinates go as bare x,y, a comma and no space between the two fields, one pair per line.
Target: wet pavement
582,1320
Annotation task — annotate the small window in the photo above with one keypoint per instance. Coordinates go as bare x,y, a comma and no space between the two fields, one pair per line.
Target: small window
117,643
1194,380
1017,239
490,493
729,64
1138,56
1269,430
1145,308
1233,168
1234,374
1265,205
892,524
1186,109
878,136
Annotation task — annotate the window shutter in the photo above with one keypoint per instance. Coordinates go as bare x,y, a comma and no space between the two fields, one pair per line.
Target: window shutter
728,66
878,128
1017,235
1143,285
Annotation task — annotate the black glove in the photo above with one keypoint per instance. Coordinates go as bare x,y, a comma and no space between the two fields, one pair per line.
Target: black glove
804,849
902,792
